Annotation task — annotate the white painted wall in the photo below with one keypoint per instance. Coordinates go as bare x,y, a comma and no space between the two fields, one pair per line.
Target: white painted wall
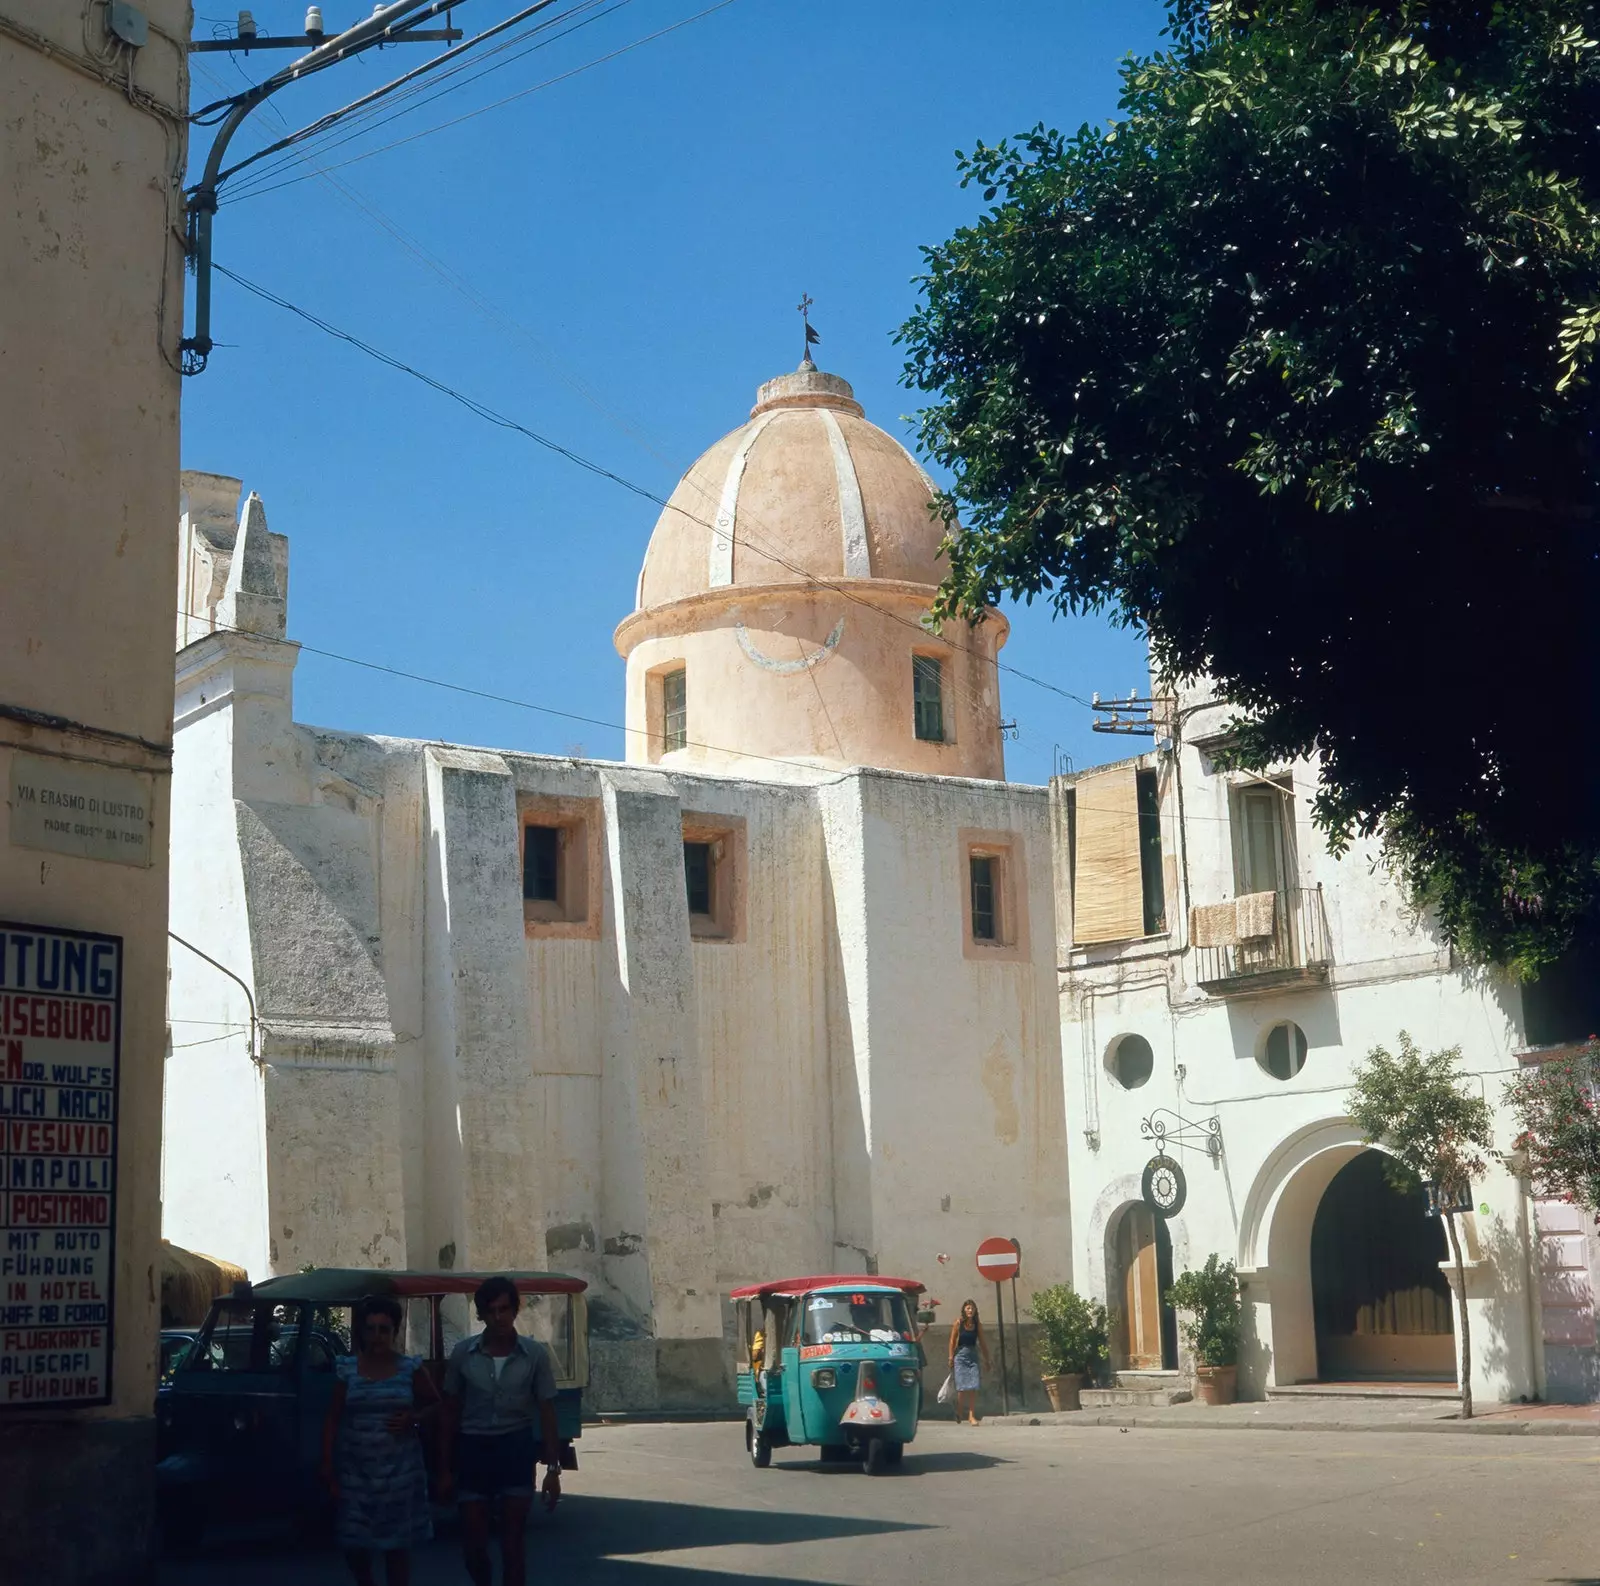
1282,1141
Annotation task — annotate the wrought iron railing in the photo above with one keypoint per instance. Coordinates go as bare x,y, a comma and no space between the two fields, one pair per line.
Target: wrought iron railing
1298,942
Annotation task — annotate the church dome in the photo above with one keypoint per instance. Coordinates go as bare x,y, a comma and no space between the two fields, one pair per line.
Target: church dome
806,489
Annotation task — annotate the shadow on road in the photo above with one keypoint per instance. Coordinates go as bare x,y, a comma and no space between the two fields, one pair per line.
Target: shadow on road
915,1465
589,1539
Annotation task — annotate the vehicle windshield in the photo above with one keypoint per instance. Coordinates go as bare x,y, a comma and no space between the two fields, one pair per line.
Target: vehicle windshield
856,1318
240,1335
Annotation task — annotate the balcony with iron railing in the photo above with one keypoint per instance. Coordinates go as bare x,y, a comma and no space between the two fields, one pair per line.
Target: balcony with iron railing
1265,947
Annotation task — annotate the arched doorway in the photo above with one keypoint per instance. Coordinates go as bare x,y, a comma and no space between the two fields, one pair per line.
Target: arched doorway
1145,1331
1381,1306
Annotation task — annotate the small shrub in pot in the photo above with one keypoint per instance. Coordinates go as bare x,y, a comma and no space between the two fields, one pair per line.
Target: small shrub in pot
1075,1345
1211,1327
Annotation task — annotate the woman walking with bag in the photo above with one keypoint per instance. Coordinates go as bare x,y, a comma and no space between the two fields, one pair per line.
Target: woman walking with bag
966,1344
371,1458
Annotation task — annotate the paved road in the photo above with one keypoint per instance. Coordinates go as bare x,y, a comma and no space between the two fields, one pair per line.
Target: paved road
1023,1506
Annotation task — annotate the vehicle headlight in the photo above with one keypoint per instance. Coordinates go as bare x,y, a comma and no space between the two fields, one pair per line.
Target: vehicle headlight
908,1377
825,1378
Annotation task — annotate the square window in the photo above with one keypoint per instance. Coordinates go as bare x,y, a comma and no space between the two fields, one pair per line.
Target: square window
984,917
994,898
927,696
697,866
541,864
560,861
674,710
713,876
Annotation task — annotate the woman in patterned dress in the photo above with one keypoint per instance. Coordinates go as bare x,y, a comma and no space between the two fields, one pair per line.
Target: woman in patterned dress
371,1457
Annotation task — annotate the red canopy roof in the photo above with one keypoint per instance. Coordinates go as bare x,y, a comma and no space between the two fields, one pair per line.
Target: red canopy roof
832,1280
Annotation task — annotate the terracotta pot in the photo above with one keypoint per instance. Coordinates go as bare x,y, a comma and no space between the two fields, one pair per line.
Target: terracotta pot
1063,1391
1216,1384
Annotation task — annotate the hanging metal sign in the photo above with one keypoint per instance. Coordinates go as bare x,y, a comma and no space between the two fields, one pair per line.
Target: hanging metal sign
60,1046
1163,1186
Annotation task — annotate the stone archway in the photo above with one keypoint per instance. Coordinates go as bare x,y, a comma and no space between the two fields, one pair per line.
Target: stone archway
1275,1239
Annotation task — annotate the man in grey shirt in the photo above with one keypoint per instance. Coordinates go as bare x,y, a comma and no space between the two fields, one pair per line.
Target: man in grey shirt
496,1387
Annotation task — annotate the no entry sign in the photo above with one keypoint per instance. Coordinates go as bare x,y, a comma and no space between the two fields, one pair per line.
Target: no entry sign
998,1260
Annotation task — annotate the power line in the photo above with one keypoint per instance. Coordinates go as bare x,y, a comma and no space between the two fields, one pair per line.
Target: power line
502,421
258,190
365,117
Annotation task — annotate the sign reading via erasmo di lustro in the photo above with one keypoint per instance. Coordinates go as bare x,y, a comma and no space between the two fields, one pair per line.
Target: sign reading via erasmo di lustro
60,1051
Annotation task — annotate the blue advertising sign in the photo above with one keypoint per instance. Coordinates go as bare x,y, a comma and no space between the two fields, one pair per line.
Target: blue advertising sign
60,1052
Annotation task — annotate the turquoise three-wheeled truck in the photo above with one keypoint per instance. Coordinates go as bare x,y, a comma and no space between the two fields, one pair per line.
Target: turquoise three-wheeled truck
831,1362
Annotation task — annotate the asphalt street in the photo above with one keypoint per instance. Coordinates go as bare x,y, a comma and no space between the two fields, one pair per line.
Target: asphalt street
680,1505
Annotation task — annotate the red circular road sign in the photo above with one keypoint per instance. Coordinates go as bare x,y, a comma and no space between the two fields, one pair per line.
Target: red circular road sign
998,1260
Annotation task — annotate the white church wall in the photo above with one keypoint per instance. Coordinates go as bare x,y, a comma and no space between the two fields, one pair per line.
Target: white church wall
214,1184
966,1135
761,1005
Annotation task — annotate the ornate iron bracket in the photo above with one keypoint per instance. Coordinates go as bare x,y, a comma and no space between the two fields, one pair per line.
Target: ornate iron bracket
1203,1136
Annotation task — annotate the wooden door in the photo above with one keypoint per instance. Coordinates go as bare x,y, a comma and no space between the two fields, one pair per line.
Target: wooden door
1141,1288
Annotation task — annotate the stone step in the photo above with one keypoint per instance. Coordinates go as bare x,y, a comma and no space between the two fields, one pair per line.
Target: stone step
1138,1388
1377,1389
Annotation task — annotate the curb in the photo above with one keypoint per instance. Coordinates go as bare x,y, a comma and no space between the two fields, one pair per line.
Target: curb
1443,1424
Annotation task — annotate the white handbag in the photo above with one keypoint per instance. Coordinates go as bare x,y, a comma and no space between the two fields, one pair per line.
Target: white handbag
948,1391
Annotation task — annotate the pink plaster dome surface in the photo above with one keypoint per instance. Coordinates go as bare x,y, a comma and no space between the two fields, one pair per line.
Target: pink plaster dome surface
806,489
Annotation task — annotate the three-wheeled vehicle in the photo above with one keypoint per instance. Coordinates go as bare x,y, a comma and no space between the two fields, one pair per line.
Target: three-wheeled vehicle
830,1362
240,1423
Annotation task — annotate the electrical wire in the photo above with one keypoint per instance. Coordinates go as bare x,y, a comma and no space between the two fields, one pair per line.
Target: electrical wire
407,84
258,189
502,421
364,117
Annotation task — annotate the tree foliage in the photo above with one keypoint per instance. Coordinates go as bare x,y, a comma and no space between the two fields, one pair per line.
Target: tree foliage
1075,1332
1288,367
1557,1107
1412,1104
1214,1321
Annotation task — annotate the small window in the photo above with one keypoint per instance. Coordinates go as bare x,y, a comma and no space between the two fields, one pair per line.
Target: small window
985,917
927,693
674,710
541,864
1284,1054
697,871
1131,1061
1155,901
558,857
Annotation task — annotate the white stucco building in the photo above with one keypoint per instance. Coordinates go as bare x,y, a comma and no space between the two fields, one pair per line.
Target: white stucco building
804,985
1222,975
675,1024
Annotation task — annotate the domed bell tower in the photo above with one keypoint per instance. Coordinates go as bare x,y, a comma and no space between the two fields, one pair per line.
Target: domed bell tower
781,603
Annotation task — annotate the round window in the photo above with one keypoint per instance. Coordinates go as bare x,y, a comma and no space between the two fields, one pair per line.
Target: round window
1284,1055
1132,1061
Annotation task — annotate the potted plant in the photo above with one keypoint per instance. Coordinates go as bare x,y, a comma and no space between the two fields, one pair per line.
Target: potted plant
1075,1343
1211,1327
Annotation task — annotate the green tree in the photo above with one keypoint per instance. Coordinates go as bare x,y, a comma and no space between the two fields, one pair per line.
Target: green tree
1557,1107
1412,1105
1210,1296
1075,1332
1286,368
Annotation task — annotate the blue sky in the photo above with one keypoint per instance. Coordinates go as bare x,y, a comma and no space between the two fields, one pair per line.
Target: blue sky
613,261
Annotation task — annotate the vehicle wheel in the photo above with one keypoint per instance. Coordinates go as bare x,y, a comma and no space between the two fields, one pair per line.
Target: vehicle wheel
760,1448
877,1457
